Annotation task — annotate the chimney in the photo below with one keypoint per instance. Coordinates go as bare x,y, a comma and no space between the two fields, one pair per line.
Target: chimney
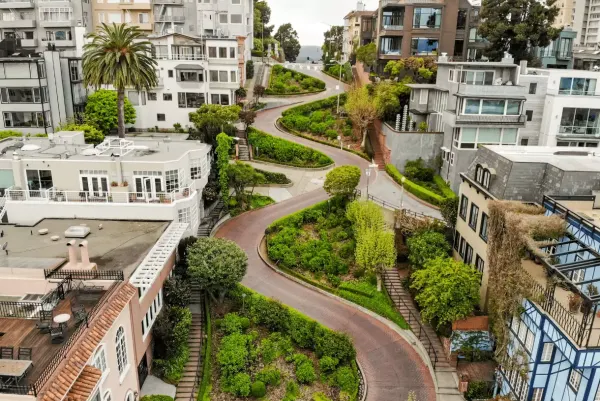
85,256
72,254
523,65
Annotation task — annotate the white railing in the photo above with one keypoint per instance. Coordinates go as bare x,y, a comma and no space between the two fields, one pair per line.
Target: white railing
54,195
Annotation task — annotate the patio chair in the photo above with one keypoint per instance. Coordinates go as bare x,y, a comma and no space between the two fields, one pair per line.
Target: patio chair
56,335
80,316
24,354
45,321
7,352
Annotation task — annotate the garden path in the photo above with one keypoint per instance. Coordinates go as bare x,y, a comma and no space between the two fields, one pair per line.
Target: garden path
187,389
392,366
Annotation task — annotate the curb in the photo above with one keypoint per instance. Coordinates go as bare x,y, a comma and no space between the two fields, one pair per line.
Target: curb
288,95
223,220
291,184
407,335
294,167
266,108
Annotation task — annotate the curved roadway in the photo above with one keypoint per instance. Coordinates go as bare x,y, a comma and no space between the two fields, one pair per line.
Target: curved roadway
392,367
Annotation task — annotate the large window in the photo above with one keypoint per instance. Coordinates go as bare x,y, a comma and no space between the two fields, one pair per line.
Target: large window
56,14
580,121
94,182
390,45
100,359
424,46
172,179
222,99
474,36
471,138
121,348
473,216
461,19
547,352
464,204
189,100
472,77
393,19
27,119
190,76
496,107
24,95
483,229
577,86
425,17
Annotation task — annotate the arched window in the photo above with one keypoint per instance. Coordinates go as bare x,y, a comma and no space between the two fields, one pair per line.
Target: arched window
107,396
121,349
99,360
486,178
129,396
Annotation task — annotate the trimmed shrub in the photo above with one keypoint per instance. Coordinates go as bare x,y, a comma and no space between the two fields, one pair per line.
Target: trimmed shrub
271,314
240,385
232,323
269,375
233,356
346,380
444,188
417,190
320,397
333,344
284,81
328,364
258,389
305,372
302,330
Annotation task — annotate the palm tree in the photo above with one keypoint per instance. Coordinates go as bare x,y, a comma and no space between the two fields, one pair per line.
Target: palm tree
118,56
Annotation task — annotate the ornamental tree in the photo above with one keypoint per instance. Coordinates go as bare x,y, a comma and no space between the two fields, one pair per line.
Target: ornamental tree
426,246
101,110
447,290
210,119
361,109
216,265
376,252
364,216
241,176
342,181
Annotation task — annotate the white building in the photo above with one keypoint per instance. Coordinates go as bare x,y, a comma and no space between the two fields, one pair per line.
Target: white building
62,177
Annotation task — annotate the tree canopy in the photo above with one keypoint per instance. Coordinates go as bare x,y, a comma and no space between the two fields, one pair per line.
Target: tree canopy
101,110
224,143
425,246
517,26
210,119
361,109
448,290
241,176
342,181
333,43
367,54
288,39
262,15
216,265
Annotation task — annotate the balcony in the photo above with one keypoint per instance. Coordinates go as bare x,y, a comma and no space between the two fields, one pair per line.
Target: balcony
57,23
506,91
169,2
453,119
169,18
131,5
224,85
29,42
19,21
11,4
59,43
385,3
392,30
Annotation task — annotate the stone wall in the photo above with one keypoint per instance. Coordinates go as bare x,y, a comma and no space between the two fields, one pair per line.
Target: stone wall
410,145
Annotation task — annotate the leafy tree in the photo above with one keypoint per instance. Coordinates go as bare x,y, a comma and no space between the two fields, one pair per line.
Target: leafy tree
449,210
262,17
418,69
259,91
288,37
217,265
364,216
367,54
448,290
92,134
224,143
342,181
118,56
250,69
387,99
425,246
177,292
102,110
241,176
376,252
333,44
212,118
247,117
361,109
516,26
240,93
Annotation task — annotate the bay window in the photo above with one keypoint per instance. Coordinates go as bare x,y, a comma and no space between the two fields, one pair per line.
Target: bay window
390,45
580,121
24,95
577,86
471,138
27,119
425,17
497,107
56,14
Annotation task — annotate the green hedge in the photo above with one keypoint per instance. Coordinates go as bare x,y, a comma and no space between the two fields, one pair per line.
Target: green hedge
283,82
441,184
156,398
274,178
281,151
204,389
416,190
307,108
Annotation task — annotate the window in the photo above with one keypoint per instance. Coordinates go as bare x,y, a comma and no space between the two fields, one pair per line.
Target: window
524,141
222,76
232,52
195,169
452,159
479,264
423,46
219,99
189,100
390,45
184,215
529,114
152,96
134,98
57,14
190,76
492,107
575,379
99,360
170,73
459,45
212,52
537,395
236,18
233,76
222,52
151,314
464,204
529,340
469,254
167,97
476,77
532,88
93,182
129,396
172,178
24,95
471,138
483,228
461,19
223,18
547,352
473,216
423,94
160,117
428,18
456,240
143,18
474,36
580,121
392,19
463,247
107,396
214,76
27,119
577,86
143,98
121,348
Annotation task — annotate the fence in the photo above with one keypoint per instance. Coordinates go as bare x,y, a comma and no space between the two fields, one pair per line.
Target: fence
85,274
31,310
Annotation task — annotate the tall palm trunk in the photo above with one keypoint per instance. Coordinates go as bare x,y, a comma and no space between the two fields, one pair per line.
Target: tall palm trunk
121,112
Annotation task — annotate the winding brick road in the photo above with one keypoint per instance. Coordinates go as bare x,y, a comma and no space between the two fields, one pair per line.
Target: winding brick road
391,366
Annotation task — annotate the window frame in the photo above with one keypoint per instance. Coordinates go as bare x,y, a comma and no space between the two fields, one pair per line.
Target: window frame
473,216
121,351
463,208
575,379
483,233
544,358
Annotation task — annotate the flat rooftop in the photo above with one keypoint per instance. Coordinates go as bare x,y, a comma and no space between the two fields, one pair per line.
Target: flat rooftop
583,208
119,245
562,157
139,149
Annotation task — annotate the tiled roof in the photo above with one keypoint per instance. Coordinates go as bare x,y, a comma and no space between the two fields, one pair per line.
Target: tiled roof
85,384
69,371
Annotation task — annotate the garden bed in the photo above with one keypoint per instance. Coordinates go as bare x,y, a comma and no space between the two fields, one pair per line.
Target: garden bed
265,350
319,122
271,149
284,81
317,245
434,192
257,201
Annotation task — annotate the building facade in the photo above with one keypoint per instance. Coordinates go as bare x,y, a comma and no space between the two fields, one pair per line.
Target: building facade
559,53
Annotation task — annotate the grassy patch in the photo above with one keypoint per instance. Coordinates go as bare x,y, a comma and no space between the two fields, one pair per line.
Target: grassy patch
256,202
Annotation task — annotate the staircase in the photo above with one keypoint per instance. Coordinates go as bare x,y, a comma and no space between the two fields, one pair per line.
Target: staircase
244,152
187,389
211,220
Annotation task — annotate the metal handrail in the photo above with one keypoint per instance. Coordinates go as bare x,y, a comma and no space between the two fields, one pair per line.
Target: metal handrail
199,367
429,348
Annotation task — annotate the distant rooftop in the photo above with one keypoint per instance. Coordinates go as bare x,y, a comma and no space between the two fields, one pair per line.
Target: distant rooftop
564,158
67,145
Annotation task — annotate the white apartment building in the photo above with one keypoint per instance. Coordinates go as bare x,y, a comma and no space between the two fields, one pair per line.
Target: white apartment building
62,177
586,22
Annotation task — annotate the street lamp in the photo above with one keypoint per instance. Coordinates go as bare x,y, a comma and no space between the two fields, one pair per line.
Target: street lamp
243,301
368,173
402,193
340,139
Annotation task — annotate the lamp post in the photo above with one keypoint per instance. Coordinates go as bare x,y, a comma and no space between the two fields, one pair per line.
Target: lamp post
402,193
368,173
340,139
243,301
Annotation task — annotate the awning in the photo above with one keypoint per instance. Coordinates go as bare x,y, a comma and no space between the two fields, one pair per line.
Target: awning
189,67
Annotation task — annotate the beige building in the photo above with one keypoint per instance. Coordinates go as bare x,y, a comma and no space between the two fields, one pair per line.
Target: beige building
565,14
131,12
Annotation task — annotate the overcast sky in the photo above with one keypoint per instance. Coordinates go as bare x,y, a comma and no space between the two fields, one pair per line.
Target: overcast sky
310,17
